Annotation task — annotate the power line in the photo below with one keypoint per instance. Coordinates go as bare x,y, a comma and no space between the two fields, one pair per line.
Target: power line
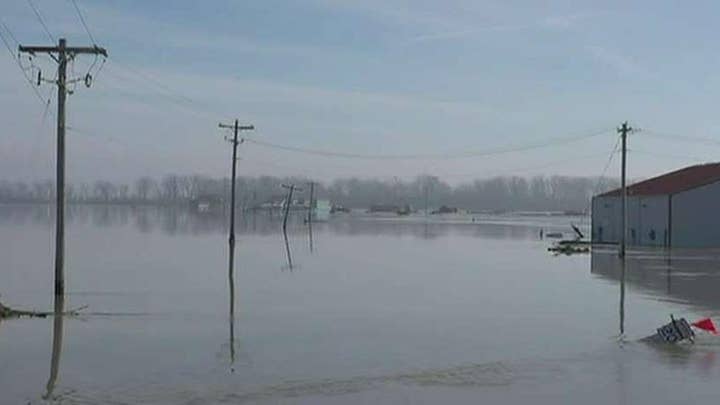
525,168
127,73
82,20
429,156
607,166
42,21
684,138
167,89
12,36
17,60
665,155
601,179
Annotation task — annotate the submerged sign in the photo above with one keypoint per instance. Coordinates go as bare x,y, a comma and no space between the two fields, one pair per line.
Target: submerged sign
675,331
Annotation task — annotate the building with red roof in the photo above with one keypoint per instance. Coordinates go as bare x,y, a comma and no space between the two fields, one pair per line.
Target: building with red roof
675,209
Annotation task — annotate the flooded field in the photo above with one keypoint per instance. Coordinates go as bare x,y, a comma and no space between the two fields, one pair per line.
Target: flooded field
370,310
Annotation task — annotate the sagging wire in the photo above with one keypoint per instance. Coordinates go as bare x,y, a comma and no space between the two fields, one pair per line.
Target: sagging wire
601,179
17,60
429,156
706,141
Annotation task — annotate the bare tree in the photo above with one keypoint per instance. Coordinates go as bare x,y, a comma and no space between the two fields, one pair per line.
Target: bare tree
143,187
104,190
170,187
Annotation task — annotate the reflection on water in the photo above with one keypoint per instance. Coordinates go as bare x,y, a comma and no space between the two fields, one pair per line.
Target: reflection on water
231,287
622,297
57,343
682,276
310,232
287,252
182,221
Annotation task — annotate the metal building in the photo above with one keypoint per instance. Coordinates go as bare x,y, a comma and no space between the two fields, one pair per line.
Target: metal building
676,209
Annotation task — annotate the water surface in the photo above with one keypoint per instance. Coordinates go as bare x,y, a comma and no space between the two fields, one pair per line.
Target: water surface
374,310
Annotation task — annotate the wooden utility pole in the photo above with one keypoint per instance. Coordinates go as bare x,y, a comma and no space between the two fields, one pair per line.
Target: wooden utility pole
288,201
310,204
427,191
235,142
310,214
623,130
62,54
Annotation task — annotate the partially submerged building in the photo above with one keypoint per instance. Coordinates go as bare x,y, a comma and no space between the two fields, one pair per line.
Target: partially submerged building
676,209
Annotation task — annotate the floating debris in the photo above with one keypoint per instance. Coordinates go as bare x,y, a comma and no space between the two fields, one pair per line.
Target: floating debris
7,312
569,247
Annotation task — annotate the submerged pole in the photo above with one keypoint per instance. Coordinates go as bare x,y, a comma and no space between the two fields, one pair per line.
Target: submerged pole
287,251
60,174
231,238
64,54
623,130
288,201
310,214
290,188
236,127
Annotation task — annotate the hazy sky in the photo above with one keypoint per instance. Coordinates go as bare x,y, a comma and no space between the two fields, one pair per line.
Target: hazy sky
368,77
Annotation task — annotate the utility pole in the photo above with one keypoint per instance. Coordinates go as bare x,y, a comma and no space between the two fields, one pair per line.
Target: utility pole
235,142
310,214
623,131
310,205
62,54
288,201
427,191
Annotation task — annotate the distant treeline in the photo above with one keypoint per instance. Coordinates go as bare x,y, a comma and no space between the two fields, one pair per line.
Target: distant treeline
540,193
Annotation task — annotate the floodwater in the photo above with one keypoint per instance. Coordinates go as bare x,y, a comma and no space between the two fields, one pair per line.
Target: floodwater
372,310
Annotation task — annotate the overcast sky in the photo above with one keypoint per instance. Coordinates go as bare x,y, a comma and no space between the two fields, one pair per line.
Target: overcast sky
376,77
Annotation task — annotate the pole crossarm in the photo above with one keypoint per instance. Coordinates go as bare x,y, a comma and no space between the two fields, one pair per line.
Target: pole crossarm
70,50
292,186
240,127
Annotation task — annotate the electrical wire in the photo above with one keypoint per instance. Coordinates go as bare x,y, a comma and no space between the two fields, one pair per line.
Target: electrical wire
430,156
607,166
12,36
127,73
684,138
525,168
41,20
601,179
15,57
155,82
84,23
665,155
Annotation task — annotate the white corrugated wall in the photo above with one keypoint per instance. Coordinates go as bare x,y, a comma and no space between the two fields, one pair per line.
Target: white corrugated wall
695,221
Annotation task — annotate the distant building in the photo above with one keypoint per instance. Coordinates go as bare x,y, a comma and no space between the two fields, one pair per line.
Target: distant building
677,209
207,203
321,210
384,208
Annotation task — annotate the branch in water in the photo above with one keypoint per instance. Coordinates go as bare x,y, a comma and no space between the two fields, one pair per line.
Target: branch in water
6,312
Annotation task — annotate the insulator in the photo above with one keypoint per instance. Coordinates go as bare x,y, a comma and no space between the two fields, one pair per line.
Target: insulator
88,80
